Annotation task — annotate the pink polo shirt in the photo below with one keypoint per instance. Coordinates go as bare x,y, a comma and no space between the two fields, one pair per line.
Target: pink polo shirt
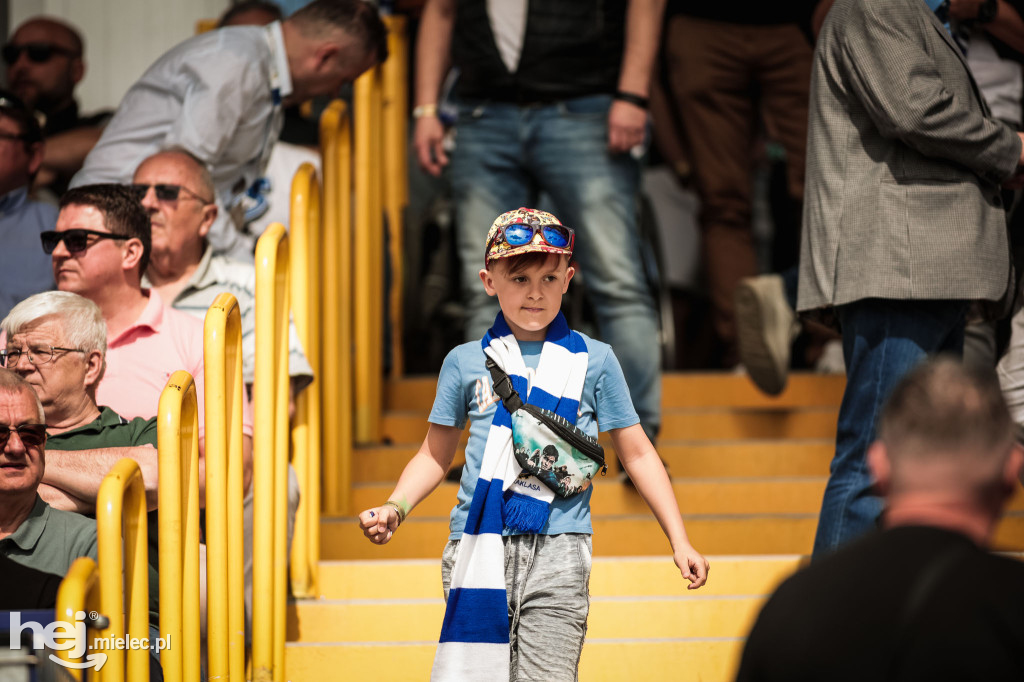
142,358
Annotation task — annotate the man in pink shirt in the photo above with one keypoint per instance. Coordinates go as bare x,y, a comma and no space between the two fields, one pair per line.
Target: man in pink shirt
100,250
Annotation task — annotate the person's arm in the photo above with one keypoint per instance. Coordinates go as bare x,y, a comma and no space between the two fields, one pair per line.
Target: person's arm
65,152
433,59
644,467
626,121
80,472
65,501
421,476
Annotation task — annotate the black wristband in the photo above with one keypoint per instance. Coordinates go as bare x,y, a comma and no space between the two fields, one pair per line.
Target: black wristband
637,100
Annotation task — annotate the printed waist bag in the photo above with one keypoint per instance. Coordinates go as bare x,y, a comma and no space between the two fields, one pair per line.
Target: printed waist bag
558,454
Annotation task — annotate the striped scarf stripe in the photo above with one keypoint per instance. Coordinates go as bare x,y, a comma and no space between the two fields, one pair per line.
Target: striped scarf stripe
474,642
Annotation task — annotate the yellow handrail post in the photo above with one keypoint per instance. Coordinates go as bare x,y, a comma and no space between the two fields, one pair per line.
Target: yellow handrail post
225,541
396,171
79,592
270,455
304,238
178,444
368,247
336,370
121,535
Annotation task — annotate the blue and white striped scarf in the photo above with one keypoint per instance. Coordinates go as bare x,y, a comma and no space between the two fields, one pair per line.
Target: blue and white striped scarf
474,644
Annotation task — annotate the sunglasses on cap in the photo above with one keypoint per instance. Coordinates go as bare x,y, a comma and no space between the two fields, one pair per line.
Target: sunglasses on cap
165,192
76,240
38,53
521,234
31,435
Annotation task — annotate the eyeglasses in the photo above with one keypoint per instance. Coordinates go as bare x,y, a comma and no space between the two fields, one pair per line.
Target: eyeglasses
76,240
520,234
40,355
38,53
165,192
31,435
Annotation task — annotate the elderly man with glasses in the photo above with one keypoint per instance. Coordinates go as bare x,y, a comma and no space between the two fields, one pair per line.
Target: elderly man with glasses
24,269
33,534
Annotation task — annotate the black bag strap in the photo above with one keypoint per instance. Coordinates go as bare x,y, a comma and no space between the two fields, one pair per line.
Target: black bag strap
501,383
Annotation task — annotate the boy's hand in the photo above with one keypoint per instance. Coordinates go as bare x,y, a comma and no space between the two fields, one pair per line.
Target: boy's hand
379,524
692,565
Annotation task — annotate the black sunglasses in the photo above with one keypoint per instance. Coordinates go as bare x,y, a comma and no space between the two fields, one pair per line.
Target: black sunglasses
165,192
31,435
76,240
38,53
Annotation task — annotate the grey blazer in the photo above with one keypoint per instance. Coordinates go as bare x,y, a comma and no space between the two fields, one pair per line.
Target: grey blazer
904,164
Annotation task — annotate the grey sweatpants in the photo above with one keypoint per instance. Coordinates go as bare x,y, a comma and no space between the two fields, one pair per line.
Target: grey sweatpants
547,579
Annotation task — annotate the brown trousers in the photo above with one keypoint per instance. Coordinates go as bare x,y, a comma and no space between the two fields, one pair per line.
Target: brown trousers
721,77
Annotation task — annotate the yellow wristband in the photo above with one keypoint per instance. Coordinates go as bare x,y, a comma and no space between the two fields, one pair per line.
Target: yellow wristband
398,508
424,110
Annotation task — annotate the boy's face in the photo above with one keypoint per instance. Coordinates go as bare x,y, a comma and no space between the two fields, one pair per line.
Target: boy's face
529,297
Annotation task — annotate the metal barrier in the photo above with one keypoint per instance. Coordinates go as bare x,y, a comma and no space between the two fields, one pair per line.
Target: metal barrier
123,558
270,455
178,443
336,369
395,170
79,592
225,540
304,242
369,256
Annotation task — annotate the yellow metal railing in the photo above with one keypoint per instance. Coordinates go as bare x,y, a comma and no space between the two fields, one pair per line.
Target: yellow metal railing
178,443
336,368
270,455
225,542
305,240
369,256
395,171
121,534
78,593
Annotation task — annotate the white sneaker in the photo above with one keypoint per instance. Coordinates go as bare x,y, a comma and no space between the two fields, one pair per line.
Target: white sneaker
765,329
831,359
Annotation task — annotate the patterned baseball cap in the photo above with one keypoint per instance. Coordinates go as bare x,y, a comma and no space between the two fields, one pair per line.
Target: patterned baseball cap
498,245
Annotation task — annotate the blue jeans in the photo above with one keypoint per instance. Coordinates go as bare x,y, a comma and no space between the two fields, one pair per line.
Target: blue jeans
505,154
882,341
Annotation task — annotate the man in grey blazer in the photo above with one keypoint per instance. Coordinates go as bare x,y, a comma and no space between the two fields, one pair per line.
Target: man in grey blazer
903,223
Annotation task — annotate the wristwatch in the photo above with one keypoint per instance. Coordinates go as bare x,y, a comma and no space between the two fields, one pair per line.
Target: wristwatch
987,11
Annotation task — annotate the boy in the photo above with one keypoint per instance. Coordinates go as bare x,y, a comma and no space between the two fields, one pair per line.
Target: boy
516,585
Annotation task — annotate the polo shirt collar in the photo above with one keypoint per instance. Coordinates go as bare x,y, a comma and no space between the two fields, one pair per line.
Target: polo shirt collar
152,317
107,418
31,529
280,76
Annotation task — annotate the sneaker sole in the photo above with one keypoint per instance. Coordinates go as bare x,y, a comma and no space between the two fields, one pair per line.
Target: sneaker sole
762,364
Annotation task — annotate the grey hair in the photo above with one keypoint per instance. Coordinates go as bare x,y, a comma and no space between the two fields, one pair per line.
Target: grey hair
82,320
12,382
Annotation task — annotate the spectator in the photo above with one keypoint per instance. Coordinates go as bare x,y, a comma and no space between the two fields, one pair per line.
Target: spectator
220,95
44,64
903,227
947,464
24,269
57,342
572,83
730,65
31,532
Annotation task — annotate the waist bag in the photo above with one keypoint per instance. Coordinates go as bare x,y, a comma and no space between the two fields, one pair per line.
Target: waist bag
547,446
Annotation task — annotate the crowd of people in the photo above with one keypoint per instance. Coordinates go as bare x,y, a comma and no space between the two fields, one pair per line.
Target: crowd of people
899,123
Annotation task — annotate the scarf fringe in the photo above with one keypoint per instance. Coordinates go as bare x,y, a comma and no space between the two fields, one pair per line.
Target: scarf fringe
524,514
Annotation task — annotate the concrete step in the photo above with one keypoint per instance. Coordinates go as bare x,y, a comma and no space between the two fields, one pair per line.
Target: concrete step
685,458
611,577
423,538
689,660
677,424
697,389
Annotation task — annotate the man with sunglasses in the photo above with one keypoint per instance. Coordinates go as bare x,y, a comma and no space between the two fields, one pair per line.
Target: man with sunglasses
44,64
24,269
32,533
221,96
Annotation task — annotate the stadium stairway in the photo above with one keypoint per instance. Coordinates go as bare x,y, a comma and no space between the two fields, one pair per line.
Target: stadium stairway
748,472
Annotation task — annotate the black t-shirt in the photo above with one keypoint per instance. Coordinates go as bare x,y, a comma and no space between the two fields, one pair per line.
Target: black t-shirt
845,616
23,588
